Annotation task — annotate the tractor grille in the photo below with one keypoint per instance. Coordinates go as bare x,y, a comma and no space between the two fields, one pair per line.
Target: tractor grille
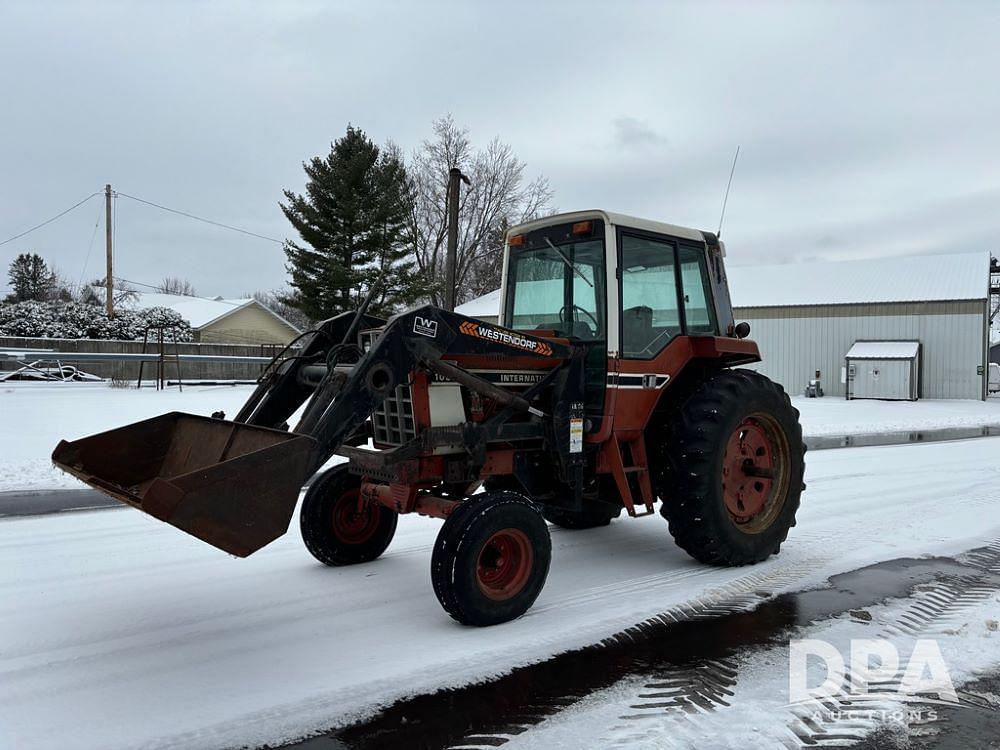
392,421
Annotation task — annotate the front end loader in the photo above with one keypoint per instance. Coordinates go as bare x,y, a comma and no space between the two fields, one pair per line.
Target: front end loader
609,384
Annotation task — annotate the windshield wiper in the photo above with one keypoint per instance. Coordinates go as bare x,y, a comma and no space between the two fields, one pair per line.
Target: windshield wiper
568,262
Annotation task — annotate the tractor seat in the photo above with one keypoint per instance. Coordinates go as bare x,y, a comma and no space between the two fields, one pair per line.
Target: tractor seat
637,327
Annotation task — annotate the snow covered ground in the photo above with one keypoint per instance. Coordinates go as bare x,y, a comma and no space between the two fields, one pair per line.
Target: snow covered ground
838,416
117,631
35,416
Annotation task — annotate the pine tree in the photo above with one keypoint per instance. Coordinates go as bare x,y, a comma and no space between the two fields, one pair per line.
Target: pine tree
353,225
31,279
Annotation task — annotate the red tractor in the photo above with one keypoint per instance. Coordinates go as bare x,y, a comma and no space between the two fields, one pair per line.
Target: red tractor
608,384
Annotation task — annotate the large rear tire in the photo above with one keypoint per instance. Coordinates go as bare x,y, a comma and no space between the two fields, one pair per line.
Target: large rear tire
335,529
735,463
491,558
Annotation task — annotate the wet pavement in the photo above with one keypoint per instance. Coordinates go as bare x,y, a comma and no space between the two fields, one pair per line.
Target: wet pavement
976,724
42,502
698,649
973,725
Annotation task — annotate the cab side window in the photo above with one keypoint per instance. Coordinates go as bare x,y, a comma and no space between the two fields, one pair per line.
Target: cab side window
699,313
650,317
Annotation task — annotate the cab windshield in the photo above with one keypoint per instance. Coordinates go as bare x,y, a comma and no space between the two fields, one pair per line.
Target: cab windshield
557,285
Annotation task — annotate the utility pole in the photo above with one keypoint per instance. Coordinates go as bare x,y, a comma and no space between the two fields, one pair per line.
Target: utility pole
109,282
455,178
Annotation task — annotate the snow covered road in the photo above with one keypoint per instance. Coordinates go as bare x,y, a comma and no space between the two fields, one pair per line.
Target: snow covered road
117,631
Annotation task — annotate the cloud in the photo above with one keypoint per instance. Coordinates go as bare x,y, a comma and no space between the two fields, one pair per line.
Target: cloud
212,108
633,133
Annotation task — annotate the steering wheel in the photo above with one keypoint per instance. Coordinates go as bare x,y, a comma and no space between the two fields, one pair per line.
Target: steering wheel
572,318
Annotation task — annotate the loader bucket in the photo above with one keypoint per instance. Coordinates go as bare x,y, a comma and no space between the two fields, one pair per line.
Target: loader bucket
229,484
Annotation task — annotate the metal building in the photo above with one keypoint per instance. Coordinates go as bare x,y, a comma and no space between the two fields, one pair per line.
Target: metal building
807,316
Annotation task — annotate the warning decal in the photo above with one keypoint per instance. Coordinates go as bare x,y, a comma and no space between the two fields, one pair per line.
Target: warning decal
575,435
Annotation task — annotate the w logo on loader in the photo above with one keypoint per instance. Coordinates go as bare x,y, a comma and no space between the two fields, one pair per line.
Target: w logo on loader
488,333
425,327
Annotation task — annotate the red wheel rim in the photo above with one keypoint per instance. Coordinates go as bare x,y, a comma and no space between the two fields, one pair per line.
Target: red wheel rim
753,472
351,524
504,564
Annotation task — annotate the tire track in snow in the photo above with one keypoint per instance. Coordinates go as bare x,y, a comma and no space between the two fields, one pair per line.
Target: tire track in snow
696,687
681,706
693,692
936,609
698,692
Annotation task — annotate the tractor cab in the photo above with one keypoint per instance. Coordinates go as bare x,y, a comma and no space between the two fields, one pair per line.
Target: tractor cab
628,283
623,287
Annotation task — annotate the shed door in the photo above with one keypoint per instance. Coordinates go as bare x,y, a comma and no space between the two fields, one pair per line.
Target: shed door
881,378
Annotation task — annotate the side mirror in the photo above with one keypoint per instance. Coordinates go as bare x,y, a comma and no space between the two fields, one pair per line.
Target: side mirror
742,330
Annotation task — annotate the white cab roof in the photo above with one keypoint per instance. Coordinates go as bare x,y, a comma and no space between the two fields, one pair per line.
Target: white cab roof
621,220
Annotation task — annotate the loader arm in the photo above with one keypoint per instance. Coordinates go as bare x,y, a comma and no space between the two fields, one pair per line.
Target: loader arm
343,401
286,386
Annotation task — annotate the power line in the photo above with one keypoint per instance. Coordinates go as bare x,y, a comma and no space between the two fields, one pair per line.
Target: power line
200,218
90,247
49,221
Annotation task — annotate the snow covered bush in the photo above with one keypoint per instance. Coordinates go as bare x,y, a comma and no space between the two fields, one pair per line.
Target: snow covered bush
72,320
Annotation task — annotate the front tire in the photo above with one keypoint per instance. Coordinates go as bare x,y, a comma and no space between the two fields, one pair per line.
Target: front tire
737,464
335,530
491,558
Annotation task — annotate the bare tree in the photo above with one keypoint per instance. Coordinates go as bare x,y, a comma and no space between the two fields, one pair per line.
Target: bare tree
176,285
124,292
497,198
282,302
63,290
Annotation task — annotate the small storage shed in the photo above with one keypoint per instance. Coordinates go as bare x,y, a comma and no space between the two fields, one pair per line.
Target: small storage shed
887,370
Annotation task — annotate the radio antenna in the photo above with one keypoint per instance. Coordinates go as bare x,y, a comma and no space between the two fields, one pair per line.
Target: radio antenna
725,199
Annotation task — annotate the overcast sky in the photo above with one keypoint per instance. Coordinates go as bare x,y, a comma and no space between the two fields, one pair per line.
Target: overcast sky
866,129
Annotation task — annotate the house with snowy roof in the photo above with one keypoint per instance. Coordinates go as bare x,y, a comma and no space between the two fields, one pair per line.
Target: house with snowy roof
219,320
